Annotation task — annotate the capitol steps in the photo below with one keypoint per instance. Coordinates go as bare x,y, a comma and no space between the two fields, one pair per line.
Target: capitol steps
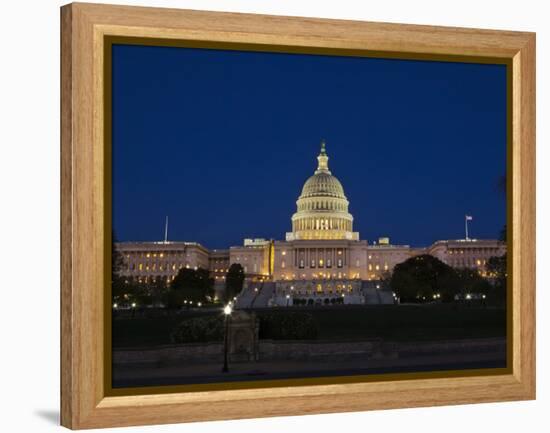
246,297
374,296
371,295
386,297
266,292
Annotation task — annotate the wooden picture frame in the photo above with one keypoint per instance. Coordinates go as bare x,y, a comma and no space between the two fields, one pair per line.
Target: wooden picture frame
85,213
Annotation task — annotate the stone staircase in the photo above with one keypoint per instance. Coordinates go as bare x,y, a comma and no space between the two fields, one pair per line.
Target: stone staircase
374,296
246,297
250,298
265,293
371,295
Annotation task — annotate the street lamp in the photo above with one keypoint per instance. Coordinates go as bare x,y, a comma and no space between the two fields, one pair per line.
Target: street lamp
287,299
227,313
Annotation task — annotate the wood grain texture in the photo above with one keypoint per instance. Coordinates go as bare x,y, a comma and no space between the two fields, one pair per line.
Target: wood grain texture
83,400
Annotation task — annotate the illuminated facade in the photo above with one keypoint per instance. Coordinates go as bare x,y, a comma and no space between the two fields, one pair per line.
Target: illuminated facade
321,261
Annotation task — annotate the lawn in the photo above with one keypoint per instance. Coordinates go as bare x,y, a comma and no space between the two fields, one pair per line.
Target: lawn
390,322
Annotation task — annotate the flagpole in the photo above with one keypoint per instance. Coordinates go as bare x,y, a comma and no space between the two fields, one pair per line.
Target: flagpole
466,225
166,231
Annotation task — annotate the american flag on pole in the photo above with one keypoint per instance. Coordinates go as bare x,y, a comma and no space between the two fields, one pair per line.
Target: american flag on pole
469,218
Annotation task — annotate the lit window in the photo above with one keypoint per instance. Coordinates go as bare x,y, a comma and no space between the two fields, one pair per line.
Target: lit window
284,253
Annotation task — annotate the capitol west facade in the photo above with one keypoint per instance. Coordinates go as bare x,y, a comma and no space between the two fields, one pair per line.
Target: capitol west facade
321,261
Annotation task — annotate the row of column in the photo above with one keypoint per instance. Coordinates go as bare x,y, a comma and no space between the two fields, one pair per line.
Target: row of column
322,224
308,254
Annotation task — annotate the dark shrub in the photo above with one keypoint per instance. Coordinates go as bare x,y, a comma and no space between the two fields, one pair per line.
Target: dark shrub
198,330
288,325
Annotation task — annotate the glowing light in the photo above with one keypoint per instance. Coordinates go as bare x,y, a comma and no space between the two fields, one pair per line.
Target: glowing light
468,296
227,310
199,304
133,305
115,305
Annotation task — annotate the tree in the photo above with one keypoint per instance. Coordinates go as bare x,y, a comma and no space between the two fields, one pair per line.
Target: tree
234,281
472,282
497,270
385,280
420,278
192,285
117,262
157,289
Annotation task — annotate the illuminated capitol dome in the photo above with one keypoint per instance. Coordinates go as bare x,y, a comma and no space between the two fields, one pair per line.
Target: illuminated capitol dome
322,208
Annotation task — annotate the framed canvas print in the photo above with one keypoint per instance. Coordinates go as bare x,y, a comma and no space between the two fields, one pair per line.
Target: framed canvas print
309,215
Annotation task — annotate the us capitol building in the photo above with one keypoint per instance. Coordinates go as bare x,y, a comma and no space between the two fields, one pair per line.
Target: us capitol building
321,261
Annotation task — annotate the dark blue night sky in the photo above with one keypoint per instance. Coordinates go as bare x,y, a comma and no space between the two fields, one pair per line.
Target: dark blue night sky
222,142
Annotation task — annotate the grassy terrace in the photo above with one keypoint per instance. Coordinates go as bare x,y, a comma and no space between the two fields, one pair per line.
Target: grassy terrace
396,323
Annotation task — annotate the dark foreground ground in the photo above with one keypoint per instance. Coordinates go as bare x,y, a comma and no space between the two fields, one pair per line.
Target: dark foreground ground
407,338
392,322
466,355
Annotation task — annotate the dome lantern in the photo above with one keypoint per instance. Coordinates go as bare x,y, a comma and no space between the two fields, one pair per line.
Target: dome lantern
322,160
